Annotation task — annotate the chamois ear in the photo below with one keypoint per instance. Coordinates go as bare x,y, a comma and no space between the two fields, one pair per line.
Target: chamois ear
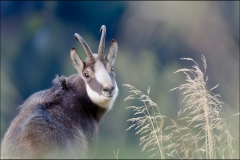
112,53
76,60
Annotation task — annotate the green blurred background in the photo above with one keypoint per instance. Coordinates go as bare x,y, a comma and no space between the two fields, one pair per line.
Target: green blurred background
36,37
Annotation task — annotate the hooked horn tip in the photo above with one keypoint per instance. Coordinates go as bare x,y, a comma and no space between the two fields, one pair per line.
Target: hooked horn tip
73,48
102,27
76,36
114,41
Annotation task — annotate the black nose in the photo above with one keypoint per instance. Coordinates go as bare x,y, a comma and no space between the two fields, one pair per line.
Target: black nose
106,89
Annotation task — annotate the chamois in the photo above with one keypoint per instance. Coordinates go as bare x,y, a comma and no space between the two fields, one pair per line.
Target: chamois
62,121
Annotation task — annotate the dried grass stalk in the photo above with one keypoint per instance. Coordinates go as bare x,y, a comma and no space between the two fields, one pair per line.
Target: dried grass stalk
205,133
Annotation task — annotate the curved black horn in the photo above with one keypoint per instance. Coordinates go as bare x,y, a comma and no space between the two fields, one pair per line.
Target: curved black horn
102,42
86,47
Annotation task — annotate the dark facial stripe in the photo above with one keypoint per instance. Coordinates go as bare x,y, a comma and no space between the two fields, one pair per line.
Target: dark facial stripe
95,85
112,76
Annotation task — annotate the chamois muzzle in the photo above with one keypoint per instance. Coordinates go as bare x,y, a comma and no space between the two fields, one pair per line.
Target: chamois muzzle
108,91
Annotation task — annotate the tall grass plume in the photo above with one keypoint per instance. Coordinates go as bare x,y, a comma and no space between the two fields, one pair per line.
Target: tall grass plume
200,130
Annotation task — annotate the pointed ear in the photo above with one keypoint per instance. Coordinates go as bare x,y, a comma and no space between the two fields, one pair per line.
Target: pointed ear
112,53
77,61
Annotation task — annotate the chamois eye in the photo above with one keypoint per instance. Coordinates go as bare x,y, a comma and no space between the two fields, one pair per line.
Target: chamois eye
86,75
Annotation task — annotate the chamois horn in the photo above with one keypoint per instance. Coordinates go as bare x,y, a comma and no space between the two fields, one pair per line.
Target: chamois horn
86,48
102,42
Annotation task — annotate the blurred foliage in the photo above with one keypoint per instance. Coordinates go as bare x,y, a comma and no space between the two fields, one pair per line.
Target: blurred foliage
36,37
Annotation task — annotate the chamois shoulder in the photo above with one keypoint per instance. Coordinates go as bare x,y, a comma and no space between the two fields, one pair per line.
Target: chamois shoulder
46,96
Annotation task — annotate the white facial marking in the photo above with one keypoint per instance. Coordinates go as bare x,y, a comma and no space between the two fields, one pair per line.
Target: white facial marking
102,101
102,76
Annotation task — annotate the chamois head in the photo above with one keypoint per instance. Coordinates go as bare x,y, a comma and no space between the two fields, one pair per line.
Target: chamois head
97,71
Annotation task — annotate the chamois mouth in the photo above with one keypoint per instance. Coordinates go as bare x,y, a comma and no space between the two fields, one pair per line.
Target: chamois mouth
108,95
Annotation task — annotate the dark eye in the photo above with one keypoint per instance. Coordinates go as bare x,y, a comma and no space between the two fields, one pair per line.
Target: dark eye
86,75
111,69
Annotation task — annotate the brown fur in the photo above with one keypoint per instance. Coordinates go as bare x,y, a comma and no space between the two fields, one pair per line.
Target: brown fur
60,122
